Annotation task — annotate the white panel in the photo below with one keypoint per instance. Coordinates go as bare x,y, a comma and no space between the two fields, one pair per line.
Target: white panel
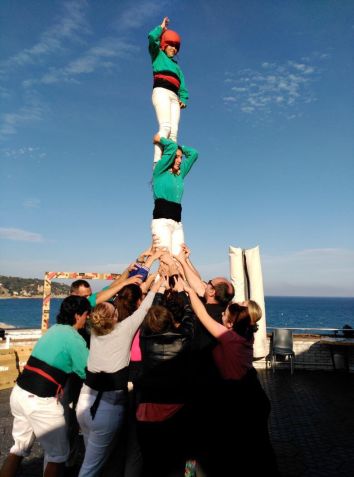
237,275
256,293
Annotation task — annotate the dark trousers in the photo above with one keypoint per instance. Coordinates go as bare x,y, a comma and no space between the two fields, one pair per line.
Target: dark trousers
165,445
234,434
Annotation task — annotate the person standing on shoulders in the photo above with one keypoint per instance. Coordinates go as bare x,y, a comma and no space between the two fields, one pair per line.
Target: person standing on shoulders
168,187
169,94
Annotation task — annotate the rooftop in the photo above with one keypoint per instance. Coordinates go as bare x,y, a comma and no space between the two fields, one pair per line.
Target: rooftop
312,424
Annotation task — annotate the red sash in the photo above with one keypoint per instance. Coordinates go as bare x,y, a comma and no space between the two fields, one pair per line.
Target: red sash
170,79
45,375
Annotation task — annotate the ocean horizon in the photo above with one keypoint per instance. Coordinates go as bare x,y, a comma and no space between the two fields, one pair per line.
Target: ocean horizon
281,311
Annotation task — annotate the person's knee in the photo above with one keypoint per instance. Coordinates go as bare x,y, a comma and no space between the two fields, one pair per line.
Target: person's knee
21,449
165,129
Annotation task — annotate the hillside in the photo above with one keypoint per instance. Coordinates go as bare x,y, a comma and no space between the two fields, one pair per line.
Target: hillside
28,287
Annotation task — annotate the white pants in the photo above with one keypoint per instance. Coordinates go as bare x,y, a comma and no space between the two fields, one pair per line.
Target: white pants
41,418
99,432
168,112
168,233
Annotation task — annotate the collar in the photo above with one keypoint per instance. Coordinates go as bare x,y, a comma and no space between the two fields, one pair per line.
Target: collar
177,173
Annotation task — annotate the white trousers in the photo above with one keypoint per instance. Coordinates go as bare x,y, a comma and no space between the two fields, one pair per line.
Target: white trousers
99,432
168,233
41,418
168,112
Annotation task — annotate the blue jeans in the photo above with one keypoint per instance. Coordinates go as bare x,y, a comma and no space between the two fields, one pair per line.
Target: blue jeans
99,432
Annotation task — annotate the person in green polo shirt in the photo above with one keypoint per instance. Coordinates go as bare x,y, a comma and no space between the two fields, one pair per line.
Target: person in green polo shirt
169,94
168,187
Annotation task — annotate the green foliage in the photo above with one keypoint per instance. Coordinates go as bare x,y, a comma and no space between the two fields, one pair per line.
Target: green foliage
29,286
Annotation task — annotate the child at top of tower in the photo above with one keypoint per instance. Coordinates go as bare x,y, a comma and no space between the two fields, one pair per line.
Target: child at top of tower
169,93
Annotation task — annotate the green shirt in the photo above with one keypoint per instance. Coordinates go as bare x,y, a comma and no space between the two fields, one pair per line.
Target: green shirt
93,298
63,348
162,63
167,185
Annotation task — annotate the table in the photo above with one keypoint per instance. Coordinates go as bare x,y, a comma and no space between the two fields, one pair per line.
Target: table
338,345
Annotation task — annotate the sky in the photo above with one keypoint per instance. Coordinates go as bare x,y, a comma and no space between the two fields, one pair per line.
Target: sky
271,112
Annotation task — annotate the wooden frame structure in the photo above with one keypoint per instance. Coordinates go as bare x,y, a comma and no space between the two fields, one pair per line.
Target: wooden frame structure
47,288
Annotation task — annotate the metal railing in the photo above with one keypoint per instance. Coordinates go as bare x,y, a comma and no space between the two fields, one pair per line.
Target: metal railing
318,331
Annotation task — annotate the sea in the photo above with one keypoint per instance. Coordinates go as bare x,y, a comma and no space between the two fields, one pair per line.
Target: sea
303,313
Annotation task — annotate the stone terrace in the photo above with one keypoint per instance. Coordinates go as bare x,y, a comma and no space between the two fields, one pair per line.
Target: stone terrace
312,424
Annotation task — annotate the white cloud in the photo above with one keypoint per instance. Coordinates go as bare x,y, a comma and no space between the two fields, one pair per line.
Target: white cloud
31,203
25,152
273,88
101,56
69,27
32,111
230,99
20,235
137,15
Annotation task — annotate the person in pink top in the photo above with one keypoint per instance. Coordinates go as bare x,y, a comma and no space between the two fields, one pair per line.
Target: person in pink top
242,405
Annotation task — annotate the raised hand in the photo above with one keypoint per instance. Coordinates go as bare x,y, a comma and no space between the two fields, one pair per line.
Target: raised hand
143,255
182,256
186,250
165,23
134,280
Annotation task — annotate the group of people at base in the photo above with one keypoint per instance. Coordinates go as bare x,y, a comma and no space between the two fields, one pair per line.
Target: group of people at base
196,408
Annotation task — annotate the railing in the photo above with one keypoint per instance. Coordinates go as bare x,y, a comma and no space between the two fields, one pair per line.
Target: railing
319,331
19,334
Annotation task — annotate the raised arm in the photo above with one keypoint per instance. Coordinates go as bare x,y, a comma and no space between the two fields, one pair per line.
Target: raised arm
168,154
191,156
154,37
108,293
192,276
214,328
156,254
125,274
138,316
187,253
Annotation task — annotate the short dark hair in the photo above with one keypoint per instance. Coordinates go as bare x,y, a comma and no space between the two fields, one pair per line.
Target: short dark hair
71,306
77,284
222,293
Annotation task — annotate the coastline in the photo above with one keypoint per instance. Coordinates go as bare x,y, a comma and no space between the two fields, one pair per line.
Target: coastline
10,297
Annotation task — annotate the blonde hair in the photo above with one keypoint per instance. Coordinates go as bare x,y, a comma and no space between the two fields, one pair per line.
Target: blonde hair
254,310
102,319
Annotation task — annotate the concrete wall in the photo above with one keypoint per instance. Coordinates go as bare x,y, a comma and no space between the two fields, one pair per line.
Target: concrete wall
311,354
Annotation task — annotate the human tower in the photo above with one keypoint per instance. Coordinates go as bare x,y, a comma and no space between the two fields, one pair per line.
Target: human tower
169,96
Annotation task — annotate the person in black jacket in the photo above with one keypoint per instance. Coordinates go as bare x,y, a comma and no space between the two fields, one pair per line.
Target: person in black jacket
162,413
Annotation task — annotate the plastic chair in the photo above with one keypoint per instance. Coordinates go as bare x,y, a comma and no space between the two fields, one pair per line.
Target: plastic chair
282,346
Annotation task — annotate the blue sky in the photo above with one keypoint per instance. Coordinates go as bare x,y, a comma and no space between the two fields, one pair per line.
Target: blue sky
271,112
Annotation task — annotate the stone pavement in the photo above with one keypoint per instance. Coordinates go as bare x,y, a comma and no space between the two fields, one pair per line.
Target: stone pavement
312,424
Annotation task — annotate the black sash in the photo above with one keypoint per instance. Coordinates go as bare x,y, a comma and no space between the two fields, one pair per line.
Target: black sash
102,382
